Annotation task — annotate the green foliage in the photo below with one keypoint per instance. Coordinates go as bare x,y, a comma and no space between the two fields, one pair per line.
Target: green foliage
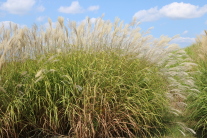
90,79
83,94
197,110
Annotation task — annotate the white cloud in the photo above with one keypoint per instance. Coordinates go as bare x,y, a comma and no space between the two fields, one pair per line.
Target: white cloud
184,41
7,24
185,32
41,18
73,8
40,8
201,33
183,10
147,15
92,20
93,8
17,6
174,10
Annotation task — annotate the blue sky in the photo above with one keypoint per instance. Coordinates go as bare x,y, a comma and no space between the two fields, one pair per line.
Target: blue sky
188,18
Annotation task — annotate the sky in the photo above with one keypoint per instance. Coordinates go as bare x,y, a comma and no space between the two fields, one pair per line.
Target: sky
186,18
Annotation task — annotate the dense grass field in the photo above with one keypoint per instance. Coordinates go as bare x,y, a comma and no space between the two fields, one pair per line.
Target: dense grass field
100,79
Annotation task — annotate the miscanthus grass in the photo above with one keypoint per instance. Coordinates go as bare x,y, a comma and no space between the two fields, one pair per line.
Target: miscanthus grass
197,110
86,79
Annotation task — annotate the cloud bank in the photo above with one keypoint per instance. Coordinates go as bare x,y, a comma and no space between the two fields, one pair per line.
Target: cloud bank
75,8
174,10
17,6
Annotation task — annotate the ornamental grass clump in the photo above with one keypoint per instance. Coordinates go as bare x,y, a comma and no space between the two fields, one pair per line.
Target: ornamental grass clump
84,95
197,110
97,79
